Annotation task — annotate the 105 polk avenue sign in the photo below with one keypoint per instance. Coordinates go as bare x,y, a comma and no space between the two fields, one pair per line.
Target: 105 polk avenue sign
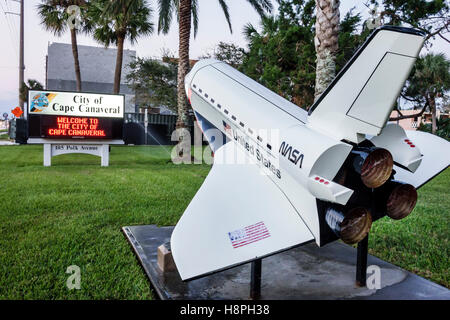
75,115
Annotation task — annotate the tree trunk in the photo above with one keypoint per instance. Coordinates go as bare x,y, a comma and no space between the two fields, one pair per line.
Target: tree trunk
433,115
119,59
326,43
183,61
73,35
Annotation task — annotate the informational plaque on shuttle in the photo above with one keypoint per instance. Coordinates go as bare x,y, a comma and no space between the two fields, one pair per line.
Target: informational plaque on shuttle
66,118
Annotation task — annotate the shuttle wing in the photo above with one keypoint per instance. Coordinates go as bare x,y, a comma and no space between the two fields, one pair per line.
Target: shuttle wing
435,158
361,97
238,215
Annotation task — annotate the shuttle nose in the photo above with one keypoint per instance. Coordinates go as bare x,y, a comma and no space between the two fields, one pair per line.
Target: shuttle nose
200,64
187,82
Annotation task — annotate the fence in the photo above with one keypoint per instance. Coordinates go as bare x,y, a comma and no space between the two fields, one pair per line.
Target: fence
159,131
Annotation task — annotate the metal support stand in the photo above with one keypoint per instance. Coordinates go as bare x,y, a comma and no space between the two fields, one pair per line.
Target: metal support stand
255,282
362,252
361,262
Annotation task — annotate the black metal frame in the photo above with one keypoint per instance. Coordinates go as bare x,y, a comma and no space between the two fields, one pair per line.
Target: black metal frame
361,270
255,279
361,262
362,252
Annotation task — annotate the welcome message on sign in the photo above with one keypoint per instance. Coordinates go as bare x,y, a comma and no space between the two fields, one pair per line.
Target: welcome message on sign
74,126
54,114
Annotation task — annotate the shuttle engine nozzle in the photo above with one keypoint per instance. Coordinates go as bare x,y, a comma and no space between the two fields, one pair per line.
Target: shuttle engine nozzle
400,199
374,165
351,227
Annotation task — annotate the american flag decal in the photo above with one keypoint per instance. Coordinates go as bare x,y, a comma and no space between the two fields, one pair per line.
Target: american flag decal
249,234
226,127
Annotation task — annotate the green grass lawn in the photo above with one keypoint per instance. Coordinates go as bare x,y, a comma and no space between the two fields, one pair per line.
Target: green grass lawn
71,214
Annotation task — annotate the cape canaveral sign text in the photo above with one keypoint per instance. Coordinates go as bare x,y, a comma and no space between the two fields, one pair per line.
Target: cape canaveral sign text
75,104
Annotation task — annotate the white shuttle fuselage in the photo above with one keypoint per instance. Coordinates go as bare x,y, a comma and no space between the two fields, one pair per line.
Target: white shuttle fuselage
275,165
273,133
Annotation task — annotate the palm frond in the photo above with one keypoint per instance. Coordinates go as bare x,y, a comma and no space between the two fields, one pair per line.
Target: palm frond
110,20
194,10
249,31
53,18
261,6
139,24
224,6
176,5
165,11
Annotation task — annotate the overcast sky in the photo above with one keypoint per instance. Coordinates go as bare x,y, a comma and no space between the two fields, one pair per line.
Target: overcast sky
212,29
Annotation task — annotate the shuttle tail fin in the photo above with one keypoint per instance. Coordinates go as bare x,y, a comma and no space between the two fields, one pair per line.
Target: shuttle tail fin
361,97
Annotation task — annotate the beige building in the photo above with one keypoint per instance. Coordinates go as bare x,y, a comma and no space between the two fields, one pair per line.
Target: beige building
414,123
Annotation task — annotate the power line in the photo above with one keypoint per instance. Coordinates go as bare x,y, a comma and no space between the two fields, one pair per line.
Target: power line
11,33
16,31
12,21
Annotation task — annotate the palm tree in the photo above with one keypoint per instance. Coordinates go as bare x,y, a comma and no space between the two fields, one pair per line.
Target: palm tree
430,79
187,13
32,85
114,21
443,125
326,43
55,17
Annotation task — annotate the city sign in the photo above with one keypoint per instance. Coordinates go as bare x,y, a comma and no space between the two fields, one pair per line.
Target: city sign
75,115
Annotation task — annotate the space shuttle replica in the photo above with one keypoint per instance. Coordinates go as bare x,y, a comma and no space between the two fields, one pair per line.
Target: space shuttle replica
283,177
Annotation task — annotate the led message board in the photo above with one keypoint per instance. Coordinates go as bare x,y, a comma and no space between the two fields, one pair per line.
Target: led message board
75,115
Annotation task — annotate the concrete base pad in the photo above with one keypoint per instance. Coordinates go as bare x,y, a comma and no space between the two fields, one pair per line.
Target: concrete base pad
306,272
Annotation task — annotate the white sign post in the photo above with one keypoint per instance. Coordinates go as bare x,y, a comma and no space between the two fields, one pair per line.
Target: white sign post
146,124
55,149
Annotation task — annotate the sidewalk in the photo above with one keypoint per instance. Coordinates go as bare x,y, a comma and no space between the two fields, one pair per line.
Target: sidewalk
7,143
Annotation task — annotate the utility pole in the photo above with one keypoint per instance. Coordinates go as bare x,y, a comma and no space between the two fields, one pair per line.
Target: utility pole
21,55
21,49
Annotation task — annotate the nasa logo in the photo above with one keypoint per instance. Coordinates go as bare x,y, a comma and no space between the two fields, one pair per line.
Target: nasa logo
293,155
